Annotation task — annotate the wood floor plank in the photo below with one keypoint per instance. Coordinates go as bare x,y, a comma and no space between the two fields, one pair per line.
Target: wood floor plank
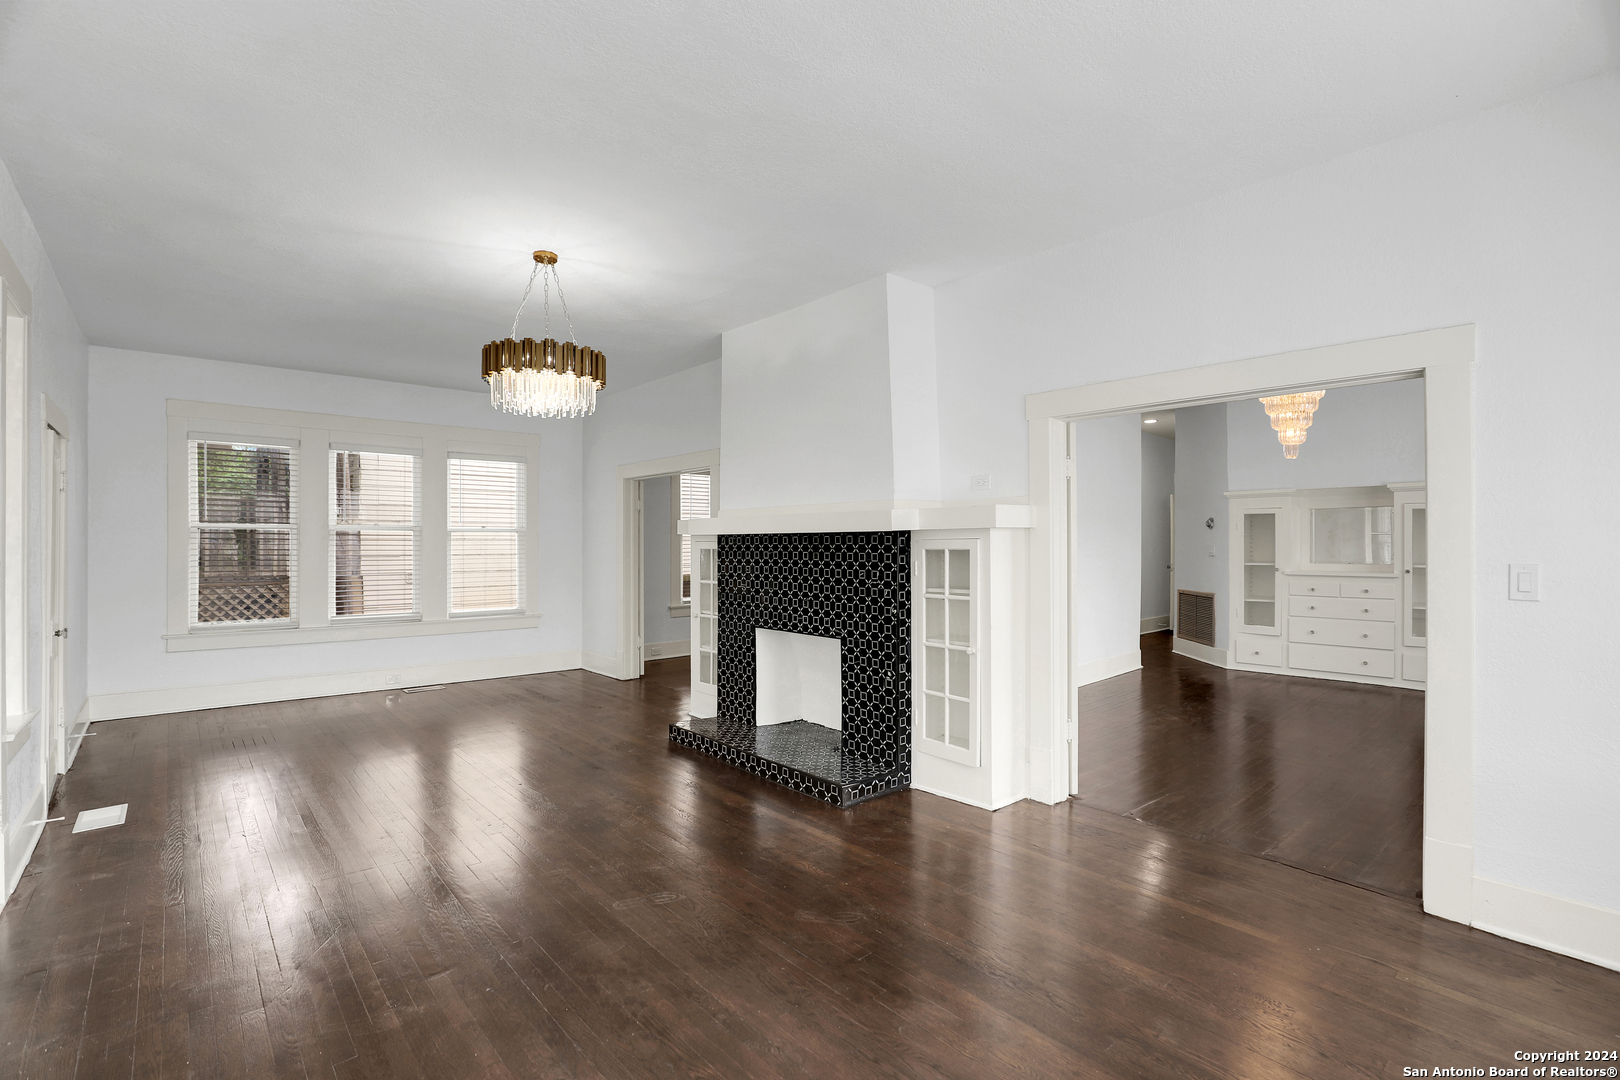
522,878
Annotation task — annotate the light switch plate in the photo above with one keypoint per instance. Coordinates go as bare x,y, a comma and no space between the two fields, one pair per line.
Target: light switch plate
1524,581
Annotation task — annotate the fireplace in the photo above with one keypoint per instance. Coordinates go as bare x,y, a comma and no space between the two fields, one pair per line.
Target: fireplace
814,663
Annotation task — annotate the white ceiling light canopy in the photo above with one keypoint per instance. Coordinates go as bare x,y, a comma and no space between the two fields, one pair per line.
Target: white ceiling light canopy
545,377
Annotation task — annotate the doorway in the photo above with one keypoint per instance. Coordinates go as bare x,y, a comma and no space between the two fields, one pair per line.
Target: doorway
1444,359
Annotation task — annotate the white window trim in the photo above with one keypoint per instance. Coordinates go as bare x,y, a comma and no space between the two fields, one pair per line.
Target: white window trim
316,433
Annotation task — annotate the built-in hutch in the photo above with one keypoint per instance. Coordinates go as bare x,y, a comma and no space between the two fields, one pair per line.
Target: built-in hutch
1331,583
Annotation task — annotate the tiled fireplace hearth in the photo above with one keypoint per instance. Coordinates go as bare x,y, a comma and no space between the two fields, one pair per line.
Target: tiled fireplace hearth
852,587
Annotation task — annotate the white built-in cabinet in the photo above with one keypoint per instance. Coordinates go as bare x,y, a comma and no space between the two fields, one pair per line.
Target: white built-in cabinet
969,620
1330,583
705,627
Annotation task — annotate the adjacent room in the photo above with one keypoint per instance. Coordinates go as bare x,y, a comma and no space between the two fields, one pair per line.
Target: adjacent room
1278,703
632,540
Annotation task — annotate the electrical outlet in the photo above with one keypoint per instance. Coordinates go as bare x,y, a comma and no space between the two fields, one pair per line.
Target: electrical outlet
655,652
391,680
979,481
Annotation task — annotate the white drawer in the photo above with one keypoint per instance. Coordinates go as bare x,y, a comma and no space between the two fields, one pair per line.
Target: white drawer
1336,607
1312,587
1344,661
1368,590
1252,649
1356,633
1415,666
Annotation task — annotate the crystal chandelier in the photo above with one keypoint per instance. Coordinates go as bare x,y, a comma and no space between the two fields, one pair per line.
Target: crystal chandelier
1290,416
545,377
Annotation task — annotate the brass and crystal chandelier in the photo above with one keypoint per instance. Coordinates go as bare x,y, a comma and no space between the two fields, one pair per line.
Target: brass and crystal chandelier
1290,416
545,377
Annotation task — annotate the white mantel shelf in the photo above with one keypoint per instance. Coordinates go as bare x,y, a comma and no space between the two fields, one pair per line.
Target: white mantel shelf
890,519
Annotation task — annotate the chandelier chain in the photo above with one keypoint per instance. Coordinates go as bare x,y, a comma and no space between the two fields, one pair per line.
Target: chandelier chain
526,292
569,319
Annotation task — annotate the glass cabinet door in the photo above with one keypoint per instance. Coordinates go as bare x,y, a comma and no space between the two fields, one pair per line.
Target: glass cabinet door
945,654
1257,604
1416,630
705,628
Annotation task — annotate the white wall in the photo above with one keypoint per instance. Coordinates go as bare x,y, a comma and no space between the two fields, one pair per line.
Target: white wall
1158,484
804,417
679,414
1361,436
658,536
1201,486
58,368
128,501
1506,220
1107,572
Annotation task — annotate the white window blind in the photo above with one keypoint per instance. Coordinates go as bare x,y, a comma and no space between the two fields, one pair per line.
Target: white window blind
243,532
374,521
486,534
692,502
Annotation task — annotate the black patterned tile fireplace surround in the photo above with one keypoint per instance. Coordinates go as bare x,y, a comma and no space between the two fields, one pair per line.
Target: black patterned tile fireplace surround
855,587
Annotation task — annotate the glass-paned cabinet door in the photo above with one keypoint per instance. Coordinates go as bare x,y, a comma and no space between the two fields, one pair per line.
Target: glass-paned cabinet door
945,654
705,627
1258,611
1416,557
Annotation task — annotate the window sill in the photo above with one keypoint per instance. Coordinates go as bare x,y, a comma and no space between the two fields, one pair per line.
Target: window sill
246,639
16,725
680,611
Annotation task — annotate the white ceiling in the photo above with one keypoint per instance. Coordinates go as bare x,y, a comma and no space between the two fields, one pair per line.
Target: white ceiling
356,187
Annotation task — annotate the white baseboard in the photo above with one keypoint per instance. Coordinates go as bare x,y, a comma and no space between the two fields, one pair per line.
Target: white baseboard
965,802
1155,624
80,723
663,650
600,664
117,706
1547,922
1194,651
36,806
1097,670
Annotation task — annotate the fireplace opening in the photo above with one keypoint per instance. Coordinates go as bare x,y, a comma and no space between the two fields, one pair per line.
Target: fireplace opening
798,677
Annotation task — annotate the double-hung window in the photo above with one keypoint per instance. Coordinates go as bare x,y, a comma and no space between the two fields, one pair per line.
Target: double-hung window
691,491
292,528
486,520
242,549
374,525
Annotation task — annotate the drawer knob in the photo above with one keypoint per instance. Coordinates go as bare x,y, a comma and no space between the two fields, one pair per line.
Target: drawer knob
1310,631
1364,663
1366,590
1313,607
1363,635
1365,610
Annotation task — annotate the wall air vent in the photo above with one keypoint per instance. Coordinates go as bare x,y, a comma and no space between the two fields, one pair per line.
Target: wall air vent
1195,616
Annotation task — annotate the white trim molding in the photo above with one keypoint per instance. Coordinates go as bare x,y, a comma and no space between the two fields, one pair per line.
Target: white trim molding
664,650
1444,358
120,706
1097,670
1548,922
1204,654
1155,624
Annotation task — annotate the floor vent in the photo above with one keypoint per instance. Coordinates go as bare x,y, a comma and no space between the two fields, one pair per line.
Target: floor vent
421,689
1195,616
101,818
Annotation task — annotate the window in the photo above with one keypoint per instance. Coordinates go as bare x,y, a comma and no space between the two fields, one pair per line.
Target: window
486,534
374,523
242,554
288,527
691,500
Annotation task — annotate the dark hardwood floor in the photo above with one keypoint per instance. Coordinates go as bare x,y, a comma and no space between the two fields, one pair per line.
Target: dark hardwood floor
523,878
1326,776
